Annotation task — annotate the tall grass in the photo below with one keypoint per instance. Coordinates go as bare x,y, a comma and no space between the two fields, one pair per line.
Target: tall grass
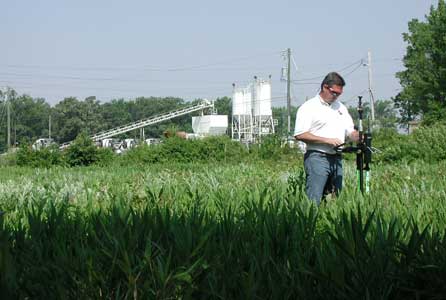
241,231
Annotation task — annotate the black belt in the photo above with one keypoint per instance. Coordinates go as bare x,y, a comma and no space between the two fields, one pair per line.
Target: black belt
326,154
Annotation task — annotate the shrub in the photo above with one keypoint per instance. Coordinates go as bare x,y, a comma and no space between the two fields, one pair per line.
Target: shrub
219,149
105,156
143,154
179,150
391,145
270,147
43,158
426,143
82,152
175,149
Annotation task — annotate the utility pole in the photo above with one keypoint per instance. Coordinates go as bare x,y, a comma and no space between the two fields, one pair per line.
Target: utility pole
15,133
49,126
142,135
372,98
288,90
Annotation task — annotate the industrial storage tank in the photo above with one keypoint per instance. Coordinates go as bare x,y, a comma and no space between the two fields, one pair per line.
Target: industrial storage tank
241,101
262,98
208,125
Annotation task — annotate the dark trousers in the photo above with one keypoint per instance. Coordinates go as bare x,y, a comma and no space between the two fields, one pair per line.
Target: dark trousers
323,174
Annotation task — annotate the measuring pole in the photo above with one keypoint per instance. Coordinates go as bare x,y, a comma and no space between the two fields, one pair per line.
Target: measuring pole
8,112
288,90
372,99
360,153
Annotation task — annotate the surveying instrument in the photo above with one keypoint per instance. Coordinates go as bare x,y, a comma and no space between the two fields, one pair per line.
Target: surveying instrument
363,150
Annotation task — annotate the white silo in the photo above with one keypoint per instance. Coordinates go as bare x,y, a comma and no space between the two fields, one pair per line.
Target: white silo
262,112
241,101
262,102
210,125
242,113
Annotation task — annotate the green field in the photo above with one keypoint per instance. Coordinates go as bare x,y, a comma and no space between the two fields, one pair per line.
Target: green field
221,231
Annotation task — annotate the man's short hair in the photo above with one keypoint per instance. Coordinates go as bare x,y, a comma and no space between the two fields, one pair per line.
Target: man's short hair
331,79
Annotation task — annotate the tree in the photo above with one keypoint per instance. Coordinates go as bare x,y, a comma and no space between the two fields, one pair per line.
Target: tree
10,94
424,80
72,117
281,114
92,114
29,118
68,120
385,114
116,113
223,106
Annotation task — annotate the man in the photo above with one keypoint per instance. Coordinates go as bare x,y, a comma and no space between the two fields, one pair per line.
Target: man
323,123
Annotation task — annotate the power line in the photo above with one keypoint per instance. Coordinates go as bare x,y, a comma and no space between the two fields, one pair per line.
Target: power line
305,83
355,96
338,70
294,63
354,70
360,62
122,79
217,86
145,68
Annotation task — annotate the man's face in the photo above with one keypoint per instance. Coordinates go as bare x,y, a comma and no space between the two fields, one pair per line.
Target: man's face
332,92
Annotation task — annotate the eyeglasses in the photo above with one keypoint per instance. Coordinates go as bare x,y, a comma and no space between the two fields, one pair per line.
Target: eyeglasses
334,93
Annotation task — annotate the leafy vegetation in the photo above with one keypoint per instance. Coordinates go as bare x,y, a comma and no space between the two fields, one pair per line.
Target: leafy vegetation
425,144
424,79
71,116
212,219
231,231
82,152
46,157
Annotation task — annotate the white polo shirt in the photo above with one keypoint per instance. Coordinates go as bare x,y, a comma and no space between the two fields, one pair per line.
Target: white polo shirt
325,120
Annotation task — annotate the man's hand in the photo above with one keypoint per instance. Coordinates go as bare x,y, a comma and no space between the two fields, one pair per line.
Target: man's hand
333,142
354,136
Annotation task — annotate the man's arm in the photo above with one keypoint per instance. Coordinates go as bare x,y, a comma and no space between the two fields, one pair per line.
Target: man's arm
308,137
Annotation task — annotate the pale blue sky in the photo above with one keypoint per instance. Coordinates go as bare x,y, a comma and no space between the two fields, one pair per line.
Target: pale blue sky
197,49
